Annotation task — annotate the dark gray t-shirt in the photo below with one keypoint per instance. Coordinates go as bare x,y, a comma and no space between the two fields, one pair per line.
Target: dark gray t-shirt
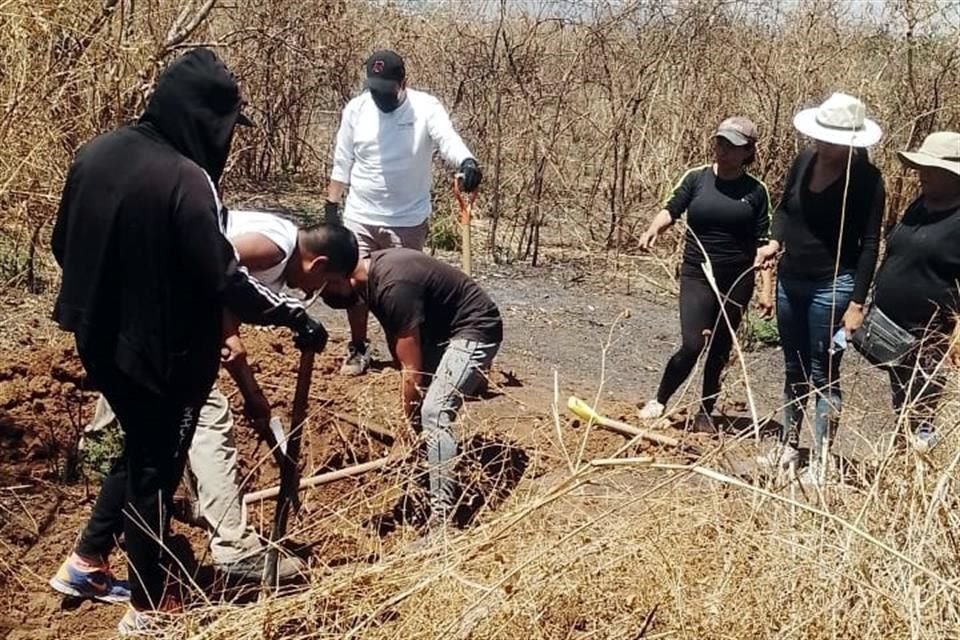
408,289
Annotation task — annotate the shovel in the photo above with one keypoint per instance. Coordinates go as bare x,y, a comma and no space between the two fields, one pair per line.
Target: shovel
279,438
290,471
276,439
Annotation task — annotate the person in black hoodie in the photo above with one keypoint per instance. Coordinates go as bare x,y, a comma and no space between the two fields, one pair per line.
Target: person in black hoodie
147,276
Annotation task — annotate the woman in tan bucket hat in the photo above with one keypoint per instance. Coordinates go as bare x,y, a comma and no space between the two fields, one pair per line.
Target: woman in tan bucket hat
917,291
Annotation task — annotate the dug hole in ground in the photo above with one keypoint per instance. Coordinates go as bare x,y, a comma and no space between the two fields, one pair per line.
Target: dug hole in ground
553,544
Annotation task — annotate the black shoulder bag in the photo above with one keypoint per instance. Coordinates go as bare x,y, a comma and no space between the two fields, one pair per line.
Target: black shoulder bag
882,341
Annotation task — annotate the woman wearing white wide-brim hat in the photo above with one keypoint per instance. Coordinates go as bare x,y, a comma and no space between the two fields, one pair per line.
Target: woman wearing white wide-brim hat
828,228
917,288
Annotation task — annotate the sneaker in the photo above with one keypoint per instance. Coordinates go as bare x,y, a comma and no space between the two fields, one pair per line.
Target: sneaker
79,580
924,439
358,359
436,531
250,568
702,423
140,624
780,457
651,411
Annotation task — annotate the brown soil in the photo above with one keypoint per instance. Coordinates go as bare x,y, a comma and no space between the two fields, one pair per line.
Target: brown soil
45,401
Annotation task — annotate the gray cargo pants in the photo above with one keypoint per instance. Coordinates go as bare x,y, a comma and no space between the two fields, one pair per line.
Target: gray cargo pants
460,373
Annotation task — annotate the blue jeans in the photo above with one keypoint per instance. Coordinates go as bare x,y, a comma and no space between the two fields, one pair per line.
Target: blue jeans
808,315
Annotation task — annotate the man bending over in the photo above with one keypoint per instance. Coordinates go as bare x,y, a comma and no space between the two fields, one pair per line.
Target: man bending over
276,253
444,331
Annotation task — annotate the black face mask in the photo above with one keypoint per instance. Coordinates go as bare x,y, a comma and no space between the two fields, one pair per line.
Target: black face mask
385,101
340,300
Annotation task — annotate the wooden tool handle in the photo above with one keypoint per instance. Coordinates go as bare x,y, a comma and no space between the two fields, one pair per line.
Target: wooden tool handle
466,210
323,478
467,250
586,412
289,480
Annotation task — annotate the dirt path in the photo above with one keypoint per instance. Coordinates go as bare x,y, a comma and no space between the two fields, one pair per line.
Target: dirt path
556,321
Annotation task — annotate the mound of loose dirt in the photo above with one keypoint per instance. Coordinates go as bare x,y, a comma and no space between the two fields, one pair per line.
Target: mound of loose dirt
45,402
41,407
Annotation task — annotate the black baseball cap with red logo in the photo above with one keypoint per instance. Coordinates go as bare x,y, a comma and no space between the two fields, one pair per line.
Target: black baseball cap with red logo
385,70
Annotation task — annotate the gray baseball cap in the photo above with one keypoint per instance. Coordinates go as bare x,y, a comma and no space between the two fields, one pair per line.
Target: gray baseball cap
738,130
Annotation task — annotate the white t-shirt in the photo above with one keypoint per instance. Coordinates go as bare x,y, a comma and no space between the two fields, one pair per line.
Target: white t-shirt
386,158
280,231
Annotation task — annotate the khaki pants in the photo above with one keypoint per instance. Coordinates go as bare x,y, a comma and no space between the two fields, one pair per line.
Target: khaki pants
372,238
214,476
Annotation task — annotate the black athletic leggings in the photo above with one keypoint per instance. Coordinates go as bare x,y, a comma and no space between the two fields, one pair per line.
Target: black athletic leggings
700,313
136,496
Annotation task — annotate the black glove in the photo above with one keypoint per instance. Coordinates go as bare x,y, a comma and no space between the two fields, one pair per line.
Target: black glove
471,175
331,213
309,335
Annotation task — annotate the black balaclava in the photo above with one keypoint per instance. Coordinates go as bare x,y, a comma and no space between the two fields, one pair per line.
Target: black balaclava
195,106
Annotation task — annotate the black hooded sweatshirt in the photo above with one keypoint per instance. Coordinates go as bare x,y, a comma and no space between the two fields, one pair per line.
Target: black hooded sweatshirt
147,271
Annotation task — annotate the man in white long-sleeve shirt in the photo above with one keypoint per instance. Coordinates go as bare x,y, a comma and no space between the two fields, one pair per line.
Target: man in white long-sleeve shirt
384,152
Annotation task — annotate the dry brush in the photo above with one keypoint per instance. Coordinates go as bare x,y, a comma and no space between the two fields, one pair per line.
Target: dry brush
583,114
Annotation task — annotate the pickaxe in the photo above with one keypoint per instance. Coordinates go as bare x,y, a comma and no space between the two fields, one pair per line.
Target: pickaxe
585,412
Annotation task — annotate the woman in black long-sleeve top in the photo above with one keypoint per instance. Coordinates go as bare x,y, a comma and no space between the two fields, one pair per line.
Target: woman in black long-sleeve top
728,218
918,283
828,225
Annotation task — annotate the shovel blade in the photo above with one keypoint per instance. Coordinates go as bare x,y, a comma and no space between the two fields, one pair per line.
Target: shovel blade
276,428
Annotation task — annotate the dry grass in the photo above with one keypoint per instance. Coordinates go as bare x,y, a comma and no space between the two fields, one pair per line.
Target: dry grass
592,554
640,548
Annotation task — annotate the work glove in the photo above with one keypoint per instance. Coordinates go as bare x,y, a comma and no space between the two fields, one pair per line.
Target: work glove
470,175
309,335
331,213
